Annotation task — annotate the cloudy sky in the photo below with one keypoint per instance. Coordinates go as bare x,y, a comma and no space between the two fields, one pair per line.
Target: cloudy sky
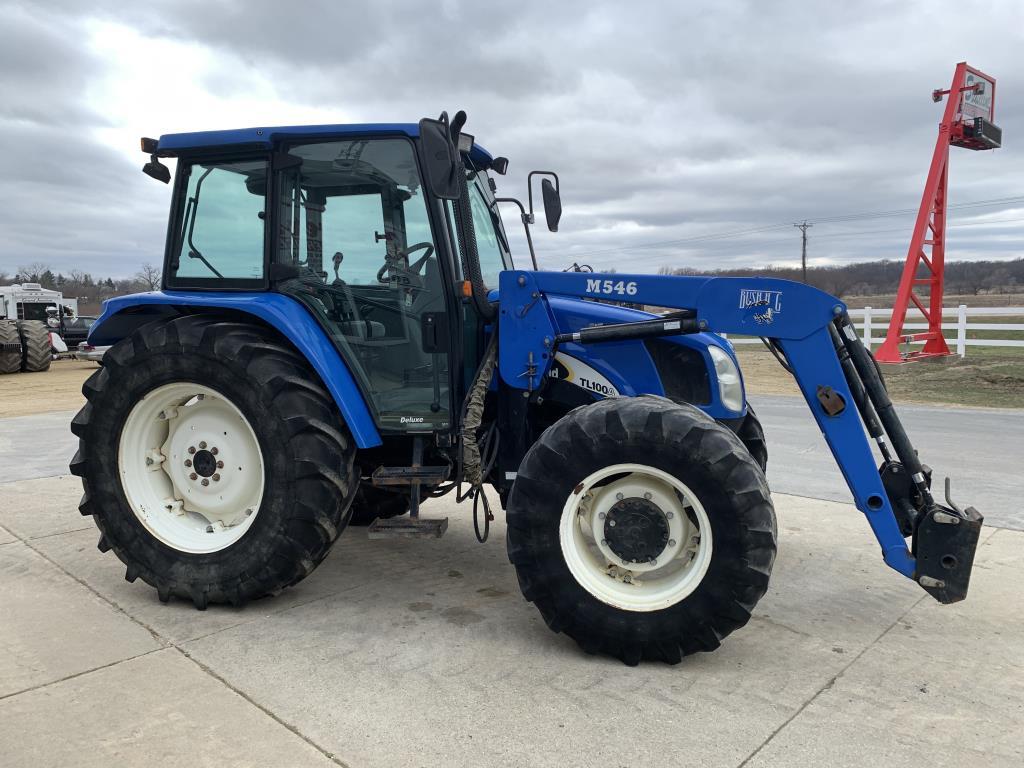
673,125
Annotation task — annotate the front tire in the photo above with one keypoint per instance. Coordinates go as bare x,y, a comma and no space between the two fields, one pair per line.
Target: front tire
248,519
696,534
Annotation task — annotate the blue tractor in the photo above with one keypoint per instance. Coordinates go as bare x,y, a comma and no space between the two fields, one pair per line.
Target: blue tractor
342,333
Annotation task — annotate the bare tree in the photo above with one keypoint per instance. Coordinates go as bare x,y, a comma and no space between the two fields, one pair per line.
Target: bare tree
149,276
33,273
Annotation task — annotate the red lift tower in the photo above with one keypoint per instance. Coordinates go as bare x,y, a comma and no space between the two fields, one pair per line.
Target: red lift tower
967,122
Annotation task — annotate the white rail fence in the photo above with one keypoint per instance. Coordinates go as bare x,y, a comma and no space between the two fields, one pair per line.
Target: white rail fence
874,321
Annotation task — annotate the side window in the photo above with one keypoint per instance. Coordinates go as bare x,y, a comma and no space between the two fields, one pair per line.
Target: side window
488,239
220,232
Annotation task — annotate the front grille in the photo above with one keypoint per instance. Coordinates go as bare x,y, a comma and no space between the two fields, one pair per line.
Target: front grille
683,372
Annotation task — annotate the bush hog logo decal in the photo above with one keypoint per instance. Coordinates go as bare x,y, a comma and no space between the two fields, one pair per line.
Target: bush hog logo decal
582,375
761,306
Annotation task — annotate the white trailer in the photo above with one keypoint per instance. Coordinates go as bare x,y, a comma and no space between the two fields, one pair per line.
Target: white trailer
30,324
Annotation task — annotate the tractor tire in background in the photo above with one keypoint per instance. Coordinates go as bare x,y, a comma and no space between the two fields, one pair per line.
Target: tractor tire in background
215,465
10,347
641,528
35,344
371,503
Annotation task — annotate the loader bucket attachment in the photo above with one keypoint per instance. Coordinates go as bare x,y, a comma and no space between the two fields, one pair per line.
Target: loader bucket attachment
944,546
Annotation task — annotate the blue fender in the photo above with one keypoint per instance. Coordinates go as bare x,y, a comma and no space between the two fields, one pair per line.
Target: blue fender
277,310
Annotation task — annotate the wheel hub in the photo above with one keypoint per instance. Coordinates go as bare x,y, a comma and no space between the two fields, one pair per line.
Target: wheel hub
204,463
636,530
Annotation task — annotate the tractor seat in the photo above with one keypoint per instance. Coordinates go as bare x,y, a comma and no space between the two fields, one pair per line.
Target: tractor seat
362,329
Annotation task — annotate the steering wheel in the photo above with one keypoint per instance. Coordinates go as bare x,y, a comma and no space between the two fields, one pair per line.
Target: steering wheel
413,270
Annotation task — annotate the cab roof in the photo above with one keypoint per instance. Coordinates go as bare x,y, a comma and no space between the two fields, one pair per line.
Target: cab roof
204,142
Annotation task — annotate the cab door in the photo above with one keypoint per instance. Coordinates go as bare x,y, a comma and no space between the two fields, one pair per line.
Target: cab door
353,223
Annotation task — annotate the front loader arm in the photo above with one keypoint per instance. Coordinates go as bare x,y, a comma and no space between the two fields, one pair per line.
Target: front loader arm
833,370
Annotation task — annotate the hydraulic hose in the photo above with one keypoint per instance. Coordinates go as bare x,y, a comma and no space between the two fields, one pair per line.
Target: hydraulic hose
884,409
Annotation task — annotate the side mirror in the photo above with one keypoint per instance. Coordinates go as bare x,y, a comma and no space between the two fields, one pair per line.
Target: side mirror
552,204
550,195
440,158
157,170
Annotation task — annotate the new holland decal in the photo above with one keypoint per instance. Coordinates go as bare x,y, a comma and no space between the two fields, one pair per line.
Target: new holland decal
582,375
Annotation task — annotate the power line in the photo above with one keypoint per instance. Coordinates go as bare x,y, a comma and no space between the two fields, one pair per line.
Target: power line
728,234
901,229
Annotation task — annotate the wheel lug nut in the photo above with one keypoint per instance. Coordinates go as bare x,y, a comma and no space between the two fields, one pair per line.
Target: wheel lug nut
188,462
202,444
619,496
671,542
191,449
611,523
220,465
214,450
654,561
601,515
670,514
216,477
193,476
205,482
647,495
604,542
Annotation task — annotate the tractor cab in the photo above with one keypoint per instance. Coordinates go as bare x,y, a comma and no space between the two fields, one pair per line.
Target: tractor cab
341,219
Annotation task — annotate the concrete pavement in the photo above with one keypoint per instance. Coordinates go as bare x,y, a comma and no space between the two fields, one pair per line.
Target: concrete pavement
398,653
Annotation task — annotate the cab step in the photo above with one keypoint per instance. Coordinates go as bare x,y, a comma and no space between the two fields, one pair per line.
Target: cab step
408,528
410,475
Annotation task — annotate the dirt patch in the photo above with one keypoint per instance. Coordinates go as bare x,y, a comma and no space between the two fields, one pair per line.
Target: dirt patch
58,389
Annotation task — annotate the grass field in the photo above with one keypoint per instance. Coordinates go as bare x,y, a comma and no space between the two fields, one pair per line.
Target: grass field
991,378
948,300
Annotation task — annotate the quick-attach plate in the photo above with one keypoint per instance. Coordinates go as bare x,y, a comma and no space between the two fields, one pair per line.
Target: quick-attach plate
944,546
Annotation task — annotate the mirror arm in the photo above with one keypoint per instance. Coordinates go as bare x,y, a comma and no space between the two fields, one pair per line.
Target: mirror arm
527,219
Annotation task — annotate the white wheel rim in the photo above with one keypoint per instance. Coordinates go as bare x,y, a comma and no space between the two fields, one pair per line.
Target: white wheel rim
175,438
678,567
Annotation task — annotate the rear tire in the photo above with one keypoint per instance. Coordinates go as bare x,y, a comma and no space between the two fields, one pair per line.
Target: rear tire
674,449
10,348
299,446
35,344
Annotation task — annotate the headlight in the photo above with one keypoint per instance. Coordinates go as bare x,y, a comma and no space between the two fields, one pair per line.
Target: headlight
730,385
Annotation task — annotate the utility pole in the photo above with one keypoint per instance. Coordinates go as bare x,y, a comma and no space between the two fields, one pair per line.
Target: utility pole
803,254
